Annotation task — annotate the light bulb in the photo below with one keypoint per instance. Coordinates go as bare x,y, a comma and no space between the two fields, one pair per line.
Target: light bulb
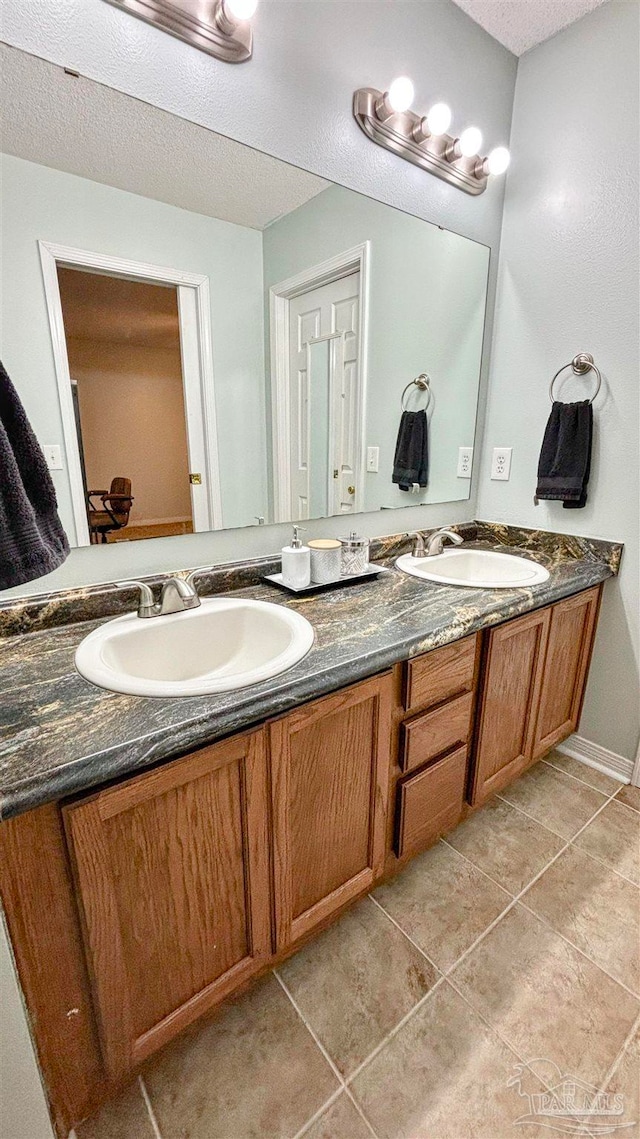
470,142
498,160
439,118
241,9
400,94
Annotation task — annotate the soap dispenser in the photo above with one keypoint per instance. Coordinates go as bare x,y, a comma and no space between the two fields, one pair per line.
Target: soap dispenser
296,562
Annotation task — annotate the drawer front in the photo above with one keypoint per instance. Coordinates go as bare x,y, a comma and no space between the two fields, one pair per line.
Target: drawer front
430,803
440,674
427,736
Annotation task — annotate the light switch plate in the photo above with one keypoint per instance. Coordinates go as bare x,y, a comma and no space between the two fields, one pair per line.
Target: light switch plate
373,460
501,463
465,462
53,456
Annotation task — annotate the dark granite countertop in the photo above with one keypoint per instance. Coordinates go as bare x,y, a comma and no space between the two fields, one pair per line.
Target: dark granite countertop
60,735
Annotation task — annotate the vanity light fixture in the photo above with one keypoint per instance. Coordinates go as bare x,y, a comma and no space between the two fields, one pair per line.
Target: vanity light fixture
386,118
219,27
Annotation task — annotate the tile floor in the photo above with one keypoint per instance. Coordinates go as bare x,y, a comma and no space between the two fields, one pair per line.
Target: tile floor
499,961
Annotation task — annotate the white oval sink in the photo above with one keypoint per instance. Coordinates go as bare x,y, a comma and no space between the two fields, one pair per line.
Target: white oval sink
224,644
484,569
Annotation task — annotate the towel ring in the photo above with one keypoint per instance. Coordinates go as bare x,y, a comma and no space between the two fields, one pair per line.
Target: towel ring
581,364
422,382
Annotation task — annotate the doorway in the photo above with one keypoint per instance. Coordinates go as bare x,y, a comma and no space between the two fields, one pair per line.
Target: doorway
133,364
123,346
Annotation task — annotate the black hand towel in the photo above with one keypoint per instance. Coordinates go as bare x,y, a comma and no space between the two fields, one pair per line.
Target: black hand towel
411,461
565,457
32,541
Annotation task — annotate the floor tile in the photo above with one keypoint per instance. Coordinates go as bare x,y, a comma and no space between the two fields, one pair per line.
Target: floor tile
630,796
596,909
545,998
507,845
125,1117
340,1121
625,1082
558,802
356,982
253,1073
443,903
614,838
444,1075
605,783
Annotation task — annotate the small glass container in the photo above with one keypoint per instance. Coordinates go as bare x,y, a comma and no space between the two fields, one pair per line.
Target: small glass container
326,560
355,554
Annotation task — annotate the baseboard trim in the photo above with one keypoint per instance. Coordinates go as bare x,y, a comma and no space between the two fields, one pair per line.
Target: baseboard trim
594,755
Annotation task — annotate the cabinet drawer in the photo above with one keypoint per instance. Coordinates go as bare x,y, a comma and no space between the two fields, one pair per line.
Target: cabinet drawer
424,737
430,803
440,674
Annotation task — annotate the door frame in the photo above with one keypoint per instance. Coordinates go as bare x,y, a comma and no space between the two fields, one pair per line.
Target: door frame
194,315
356,259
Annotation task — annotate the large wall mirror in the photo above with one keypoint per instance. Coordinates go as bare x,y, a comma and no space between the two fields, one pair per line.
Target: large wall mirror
206,337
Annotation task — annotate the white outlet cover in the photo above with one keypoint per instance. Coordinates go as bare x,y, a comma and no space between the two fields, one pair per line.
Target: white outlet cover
373,460
465,462
501,463
53,456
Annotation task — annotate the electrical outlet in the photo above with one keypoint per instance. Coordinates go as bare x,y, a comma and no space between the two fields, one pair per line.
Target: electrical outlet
373,460
465,462
501,463
53,456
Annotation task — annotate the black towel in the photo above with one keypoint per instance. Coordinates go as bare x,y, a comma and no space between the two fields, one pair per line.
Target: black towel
565,457
32,541
411,460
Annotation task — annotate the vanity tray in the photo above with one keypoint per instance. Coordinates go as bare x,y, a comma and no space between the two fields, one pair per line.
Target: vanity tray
371,571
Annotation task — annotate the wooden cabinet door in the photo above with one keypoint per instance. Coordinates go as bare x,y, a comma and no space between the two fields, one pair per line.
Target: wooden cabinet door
571,634
330,775
509,701
173,875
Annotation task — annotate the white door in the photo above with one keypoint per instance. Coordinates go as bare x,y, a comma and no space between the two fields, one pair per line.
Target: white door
324,377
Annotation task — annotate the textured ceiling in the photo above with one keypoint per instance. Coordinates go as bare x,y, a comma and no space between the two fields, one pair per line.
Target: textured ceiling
521,24
110,310
84,128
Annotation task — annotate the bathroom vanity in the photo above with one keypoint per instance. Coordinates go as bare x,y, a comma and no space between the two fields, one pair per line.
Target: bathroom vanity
138,900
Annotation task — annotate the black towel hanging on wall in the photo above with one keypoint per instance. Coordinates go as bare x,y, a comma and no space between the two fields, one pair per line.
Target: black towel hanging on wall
565,456
411,458
32,540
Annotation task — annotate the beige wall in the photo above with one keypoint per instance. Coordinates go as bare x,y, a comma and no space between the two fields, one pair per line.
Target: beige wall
133,424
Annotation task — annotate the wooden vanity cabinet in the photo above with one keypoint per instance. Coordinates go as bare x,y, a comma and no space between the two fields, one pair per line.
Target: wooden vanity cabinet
329,784
533,679
172,872
570,640
169,891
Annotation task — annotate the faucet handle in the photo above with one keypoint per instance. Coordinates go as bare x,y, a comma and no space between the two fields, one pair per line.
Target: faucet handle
191,577
418,550
146,605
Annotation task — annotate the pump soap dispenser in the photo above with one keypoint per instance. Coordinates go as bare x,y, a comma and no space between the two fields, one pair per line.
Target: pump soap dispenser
296,562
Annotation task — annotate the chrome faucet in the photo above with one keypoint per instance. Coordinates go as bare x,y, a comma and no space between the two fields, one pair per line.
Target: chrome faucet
176,596
435,544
